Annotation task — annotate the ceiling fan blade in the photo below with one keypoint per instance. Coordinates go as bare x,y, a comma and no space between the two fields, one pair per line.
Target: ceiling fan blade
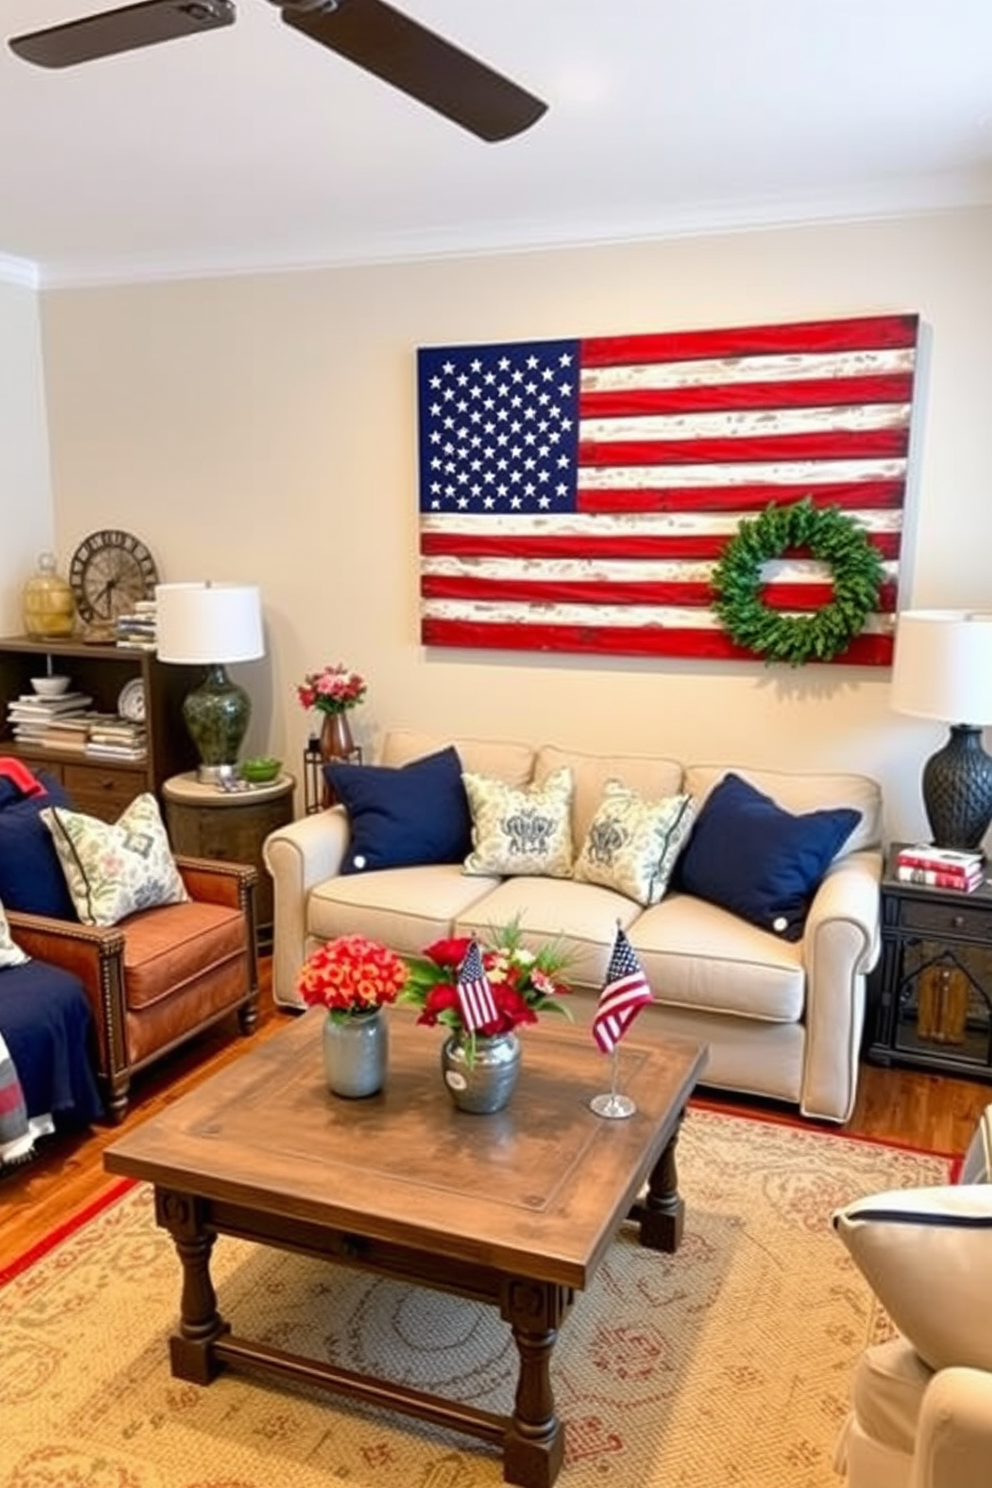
400,51
121,30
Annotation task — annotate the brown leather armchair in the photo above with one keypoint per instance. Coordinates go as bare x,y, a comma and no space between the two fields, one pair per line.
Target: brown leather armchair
163,975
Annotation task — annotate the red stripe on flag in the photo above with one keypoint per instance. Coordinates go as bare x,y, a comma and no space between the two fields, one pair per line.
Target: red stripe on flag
697,547
863,333
693,594
836,392
870,444
879,495
619,640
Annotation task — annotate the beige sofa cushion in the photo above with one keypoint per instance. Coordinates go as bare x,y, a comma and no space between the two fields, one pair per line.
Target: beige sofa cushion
404,908
699,956
653,776
582,917
504,758
887,1392
802,792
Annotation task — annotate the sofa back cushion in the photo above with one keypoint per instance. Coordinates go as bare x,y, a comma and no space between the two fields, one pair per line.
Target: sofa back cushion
653,776
802,792
506,759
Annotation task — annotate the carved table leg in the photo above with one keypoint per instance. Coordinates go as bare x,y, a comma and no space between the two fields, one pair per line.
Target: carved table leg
200,1324
661,1212
534,1444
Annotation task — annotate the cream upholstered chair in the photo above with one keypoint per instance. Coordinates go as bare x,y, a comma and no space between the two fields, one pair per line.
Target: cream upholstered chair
921,1410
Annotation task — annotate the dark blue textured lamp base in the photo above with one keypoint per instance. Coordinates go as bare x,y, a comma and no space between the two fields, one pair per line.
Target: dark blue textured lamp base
957,790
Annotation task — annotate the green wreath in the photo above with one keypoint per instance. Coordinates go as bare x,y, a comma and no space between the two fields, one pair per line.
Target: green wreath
829,536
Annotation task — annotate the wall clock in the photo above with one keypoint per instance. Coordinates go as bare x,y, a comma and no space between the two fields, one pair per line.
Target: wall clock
110,571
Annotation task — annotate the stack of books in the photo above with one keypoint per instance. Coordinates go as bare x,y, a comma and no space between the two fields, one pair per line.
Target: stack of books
137,629
116,738
940,867
31,716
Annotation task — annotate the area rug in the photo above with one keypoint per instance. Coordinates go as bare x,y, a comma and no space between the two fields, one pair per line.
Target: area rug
728,1363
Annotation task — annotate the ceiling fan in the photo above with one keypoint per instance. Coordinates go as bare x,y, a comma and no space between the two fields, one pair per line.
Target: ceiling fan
370,33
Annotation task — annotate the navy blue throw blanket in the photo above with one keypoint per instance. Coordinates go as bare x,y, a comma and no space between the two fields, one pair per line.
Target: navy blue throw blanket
48,1028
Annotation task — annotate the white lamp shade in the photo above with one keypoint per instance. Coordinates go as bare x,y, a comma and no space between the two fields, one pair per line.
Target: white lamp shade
208,624
943,666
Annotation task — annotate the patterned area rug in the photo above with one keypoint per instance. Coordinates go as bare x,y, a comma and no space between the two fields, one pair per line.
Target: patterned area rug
728,1363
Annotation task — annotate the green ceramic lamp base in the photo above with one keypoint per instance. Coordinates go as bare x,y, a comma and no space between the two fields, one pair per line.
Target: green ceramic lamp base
217,714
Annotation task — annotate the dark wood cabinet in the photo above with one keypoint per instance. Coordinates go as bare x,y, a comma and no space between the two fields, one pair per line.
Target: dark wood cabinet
930,996
102,787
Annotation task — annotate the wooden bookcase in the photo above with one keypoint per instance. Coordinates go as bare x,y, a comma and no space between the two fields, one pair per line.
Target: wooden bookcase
99,786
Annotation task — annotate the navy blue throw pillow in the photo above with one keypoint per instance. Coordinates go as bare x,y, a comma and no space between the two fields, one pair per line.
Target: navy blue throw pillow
31,877
399,817
749,855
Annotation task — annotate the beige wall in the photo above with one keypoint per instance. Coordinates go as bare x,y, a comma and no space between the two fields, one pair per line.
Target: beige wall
262,428
26,520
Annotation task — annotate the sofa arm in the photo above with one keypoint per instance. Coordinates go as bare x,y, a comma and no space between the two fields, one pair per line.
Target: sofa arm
94,954
840,946
954,1433
298,856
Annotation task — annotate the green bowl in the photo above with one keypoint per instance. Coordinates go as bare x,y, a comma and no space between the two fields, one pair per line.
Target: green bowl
259,771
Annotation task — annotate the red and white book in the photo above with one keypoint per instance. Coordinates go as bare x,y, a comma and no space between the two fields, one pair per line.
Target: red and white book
935,878
939,859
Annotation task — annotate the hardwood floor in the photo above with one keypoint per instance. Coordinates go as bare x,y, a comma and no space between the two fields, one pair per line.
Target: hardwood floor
929,1111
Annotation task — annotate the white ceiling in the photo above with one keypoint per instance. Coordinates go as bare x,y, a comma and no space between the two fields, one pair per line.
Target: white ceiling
254,147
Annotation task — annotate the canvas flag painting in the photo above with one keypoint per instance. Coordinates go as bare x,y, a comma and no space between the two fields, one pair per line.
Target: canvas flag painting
475,996
575,494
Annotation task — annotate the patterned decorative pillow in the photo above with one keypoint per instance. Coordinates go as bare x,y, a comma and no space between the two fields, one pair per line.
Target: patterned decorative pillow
521,830
113,870
10,954
632,843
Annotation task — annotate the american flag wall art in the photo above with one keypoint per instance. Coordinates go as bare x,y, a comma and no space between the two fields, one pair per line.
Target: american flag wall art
575,495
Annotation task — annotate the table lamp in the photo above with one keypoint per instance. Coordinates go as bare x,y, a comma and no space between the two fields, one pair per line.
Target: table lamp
943,669
211,625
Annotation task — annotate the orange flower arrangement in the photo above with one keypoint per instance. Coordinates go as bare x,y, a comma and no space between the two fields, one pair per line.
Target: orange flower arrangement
351,975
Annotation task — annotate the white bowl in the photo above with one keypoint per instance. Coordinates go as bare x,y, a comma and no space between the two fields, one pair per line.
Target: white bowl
50,686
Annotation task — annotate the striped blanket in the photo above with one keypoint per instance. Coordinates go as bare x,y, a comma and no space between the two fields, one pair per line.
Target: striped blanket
16,1137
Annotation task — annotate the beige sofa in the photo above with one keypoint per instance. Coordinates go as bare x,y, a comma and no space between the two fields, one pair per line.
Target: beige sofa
781,1018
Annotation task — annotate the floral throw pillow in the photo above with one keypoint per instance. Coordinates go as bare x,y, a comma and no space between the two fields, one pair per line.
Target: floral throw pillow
113,870
632,843
521,830
10,954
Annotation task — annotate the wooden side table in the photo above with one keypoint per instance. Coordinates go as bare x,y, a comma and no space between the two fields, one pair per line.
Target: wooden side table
930,996
210,823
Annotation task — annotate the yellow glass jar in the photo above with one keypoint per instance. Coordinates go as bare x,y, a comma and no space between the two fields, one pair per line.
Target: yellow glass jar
48,605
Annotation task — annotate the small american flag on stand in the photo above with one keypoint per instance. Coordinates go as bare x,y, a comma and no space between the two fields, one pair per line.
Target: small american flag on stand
475,996
624,993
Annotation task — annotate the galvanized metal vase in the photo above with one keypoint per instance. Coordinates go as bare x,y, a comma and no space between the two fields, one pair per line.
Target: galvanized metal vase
356,1052
484,1083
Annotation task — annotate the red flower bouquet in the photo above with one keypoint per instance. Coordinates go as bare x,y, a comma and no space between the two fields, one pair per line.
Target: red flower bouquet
524,983
333,690
351,975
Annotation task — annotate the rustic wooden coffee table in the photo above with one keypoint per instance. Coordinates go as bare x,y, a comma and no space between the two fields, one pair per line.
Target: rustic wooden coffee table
516,1209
